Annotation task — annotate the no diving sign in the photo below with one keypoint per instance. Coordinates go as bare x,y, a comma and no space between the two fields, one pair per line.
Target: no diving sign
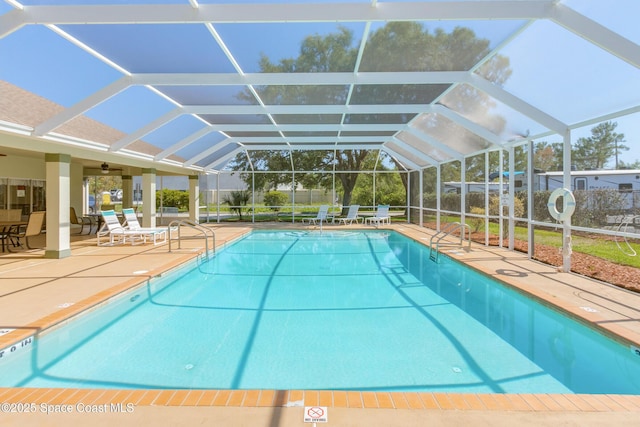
315,414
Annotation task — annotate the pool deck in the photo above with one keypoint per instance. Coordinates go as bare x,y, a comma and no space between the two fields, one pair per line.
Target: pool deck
38,293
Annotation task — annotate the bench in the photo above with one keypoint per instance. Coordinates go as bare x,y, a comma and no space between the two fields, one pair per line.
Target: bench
628,223
621,219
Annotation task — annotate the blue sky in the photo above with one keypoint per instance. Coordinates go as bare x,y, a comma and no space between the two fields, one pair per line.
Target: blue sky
553,69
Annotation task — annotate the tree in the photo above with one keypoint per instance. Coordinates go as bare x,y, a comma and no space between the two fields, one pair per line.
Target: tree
263,161
434,51
398,46
389,186
335,53
548,156
237,200
634,165
595,151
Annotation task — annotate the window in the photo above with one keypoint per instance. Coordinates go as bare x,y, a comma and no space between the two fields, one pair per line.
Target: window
625,188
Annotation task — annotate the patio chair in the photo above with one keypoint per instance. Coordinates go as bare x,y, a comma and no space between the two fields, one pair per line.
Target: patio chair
352,215
381,216
79,220
132,224
110,228
118,234
32,228
322,215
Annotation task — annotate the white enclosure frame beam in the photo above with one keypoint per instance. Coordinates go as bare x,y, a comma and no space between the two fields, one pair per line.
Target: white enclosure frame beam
258,13
597,34
145,130
294,79
86,104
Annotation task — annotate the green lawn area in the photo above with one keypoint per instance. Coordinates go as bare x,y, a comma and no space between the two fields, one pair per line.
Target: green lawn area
601,246
596,245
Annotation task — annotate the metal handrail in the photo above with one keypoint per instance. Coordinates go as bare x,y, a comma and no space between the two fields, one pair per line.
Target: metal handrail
444,232
626,220
177,223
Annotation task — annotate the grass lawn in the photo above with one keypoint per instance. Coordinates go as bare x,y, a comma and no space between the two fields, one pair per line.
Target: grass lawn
599,245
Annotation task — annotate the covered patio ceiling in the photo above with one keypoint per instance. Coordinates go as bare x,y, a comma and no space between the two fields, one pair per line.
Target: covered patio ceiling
192,83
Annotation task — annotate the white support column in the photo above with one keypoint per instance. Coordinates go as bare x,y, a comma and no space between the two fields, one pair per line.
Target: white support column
85,196
566,183
148,197
530,204
253,197
374,189
463,191
408,198
512,195
127,191
438,195
58,173
486,198
293,189
501,192
421,196
194,198
217,198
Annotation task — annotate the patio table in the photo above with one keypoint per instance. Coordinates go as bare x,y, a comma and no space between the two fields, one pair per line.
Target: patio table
5,232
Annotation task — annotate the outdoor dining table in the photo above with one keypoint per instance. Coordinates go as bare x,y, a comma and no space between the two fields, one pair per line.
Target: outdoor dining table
5,232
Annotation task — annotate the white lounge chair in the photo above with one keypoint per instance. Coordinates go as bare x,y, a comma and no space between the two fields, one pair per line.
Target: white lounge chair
352,215
119,234
132,224
110,228
381,216
322,215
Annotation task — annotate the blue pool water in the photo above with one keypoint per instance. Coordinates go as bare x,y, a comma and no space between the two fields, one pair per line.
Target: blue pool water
334,310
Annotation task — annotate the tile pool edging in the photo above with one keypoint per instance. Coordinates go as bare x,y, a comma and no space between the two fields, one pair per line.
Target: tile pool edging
126,399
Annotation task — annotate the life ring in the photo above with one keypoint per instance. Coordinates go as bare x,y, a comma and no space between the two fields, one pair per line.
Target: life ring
568,204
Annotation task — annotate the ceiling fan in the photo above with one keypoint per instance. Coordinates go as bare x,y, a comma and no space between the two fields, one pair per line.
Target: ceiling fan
106,169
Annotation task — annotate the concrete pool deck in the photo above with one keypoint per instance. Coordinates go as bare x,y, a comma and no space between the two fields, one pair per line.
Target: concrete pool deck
38,293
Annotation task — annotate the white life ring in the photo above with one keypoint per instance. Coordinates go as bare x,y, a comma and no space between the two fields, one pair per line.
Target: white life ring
568,204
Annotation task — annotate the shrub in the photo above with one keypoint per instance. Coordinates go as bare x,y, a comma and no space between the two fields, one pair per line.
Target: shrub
274,200
593,206
494,206
177,198
476,222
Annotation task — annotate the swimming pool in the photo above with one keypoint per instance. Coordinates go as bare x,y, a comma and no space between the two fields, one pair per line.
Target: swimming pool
334,310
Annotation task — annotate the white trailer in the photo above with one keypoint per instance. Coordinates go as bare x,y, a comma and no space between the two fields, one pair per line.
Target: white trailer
626,182
621,180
